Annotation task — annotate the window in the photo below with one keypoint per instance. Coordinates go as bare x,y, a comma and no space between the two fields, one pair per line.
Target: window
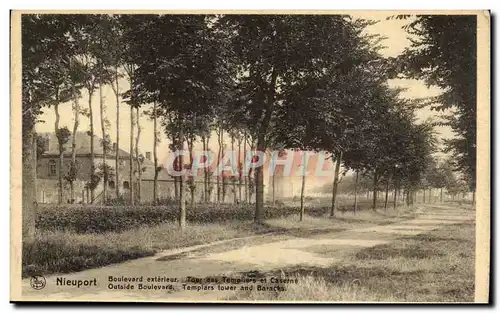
52,168
111,184
126,185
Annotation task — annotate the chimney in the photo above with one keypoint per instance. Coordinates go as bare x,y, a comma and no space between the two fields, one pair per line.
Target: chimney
148,155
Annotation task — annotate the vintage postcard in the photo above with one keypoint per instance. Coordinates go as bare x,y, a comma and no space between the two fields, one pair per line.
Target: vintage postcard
242,157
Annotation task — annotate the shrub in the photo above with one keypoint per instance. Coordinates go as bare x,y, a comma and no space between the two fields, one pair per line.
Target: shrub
167,201
117,201
98,219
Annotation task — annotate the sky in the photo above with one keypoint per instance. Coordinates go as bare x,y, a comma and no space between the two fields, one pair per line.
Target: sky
396,41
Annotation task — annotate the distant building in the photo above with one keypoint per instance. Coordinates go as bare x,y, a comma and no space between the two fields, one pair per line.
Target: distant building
48,170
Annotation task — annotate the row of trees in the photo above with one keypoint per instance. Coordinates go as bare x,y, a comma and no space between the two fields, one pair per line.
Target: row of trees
278,82
443,54
439,176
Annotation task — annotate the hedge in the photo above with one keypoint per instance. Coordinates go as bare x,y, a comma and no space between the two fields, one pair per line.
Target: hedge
98,219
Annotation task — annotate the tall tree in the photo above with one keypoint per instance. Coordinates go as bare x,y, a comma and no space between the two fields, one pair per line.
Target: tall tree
180,67
132,102
443,53
138,157
106,58
274,52
76,76
88,40
104,143
156,140
116,54
61,140
44,39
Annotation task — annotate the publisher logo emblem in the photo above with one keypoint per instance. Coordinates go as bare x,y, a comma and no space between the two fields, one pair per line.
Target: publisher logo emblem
37,282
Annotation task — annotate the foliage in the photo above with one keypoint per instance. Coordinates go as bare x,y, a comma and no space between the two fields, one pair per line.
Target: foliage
443,53
72,172
98,219
42,144
63,135
103,170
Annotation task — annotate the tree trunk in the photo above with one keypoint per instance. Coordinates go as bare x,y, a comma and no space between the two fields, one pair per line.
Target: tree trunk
209,173
131,158
155,155
261,146
137,157
258,184
375,181
104,147
387,192
175,144
117,144
72,190
396,183
182,204
245,177
303,186
176,182
430,195
73,165
92,155
356,193
61,154
219,154
205,177
240,168
273,181
423,198
252,189
259,195
233,178
251,185
473,197
29,196
191,178
223,177
441,195
335,183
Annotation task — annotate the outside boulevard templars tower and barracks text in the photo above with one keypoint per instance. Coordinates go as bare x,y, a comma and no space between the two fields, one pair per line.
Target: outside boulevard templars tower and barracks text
190,283
199,284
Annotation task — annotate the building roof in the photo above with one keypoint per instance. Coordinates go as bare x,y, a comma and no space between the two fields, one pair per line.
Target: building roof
82,145
149,171
83,148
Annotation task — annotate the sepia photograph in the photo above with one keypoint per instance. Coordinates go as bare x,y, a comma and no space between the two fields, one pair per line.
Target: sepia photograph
250,157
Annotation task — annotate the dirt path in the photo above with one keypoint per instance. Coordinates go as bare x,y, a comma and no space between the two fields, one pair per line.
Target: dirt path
226,260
